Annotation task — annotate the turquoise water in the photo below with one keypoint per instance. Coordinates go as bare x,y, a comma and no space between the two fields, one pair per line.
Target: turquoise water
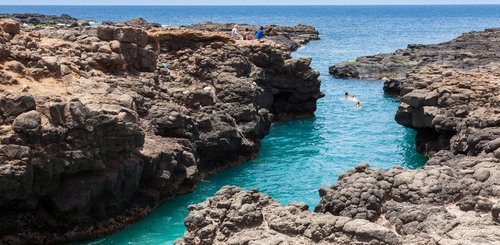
298,157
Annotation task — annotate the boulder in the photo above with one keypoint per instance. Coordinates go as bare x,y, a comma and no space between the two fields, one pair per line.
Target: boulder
110,136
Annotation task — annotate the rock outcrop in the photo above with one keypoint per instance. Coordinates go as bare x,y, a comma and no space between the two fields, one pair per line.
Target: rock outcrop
40,19
290,37
100,125
450,93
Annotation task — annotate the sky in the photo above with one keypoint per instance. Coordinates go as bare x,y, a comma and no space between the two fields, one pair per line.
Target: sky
240,2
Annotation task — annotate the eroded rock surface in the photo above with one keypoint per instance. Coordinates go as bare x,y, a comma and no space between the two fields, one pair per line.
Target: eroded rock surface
290,37
99,125
449,92
137,22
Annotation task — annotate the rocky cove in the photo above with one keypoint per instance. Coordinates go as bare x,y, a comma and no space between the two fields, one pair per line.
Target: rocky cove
101,124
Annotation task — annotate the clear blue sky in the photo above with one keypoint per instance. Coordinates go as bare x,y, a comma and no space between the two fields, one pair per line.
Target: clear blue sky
238,2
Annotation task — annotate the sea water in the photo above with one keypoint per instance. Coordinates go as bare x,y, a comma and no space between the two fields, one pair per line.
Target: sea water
298,157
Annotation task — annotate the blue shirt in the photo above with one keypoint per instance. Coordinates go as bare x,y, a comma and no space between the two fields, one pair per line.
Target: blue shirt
259,34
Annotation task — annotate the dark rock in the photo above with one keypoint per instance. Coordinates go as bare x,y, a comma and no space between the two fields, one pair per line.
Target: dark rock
32,18
442,98
16,66
275,222
495,212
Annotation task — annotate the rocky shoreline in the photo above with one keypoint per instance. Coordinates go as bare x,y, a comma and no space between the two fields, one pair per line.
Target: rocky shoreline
450,93
99,125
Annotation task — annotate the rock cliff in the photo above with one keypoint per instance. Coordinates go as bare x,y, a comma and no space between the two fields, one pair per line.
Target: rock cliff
100,125
450,93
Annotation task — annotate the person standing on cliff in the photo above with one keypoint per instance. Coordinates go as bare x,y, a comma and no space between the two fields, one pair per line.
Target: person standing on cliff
235,34
260,33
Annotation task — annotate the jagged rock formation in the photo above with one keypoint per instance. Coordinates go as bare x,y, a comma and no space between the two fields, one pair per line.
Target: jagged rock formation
450,93
99,125
291,37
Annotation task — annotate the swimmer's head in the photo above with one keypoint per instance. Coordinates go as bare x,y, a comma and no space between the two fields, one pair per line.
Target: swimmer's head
346,94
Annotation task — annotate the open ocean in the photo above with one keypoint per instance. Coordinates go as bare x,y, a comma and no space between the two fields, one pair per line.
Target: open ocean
300,156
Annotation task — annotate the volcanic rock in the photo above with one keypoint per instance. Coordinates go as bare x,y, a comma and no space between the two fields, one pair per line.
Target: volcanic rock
37,19
450,95
101,124
10,26
290,37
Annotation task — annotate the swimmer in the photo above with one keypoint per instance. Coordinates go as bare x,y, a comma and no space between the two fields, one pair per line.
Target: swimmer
358,105
346,94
